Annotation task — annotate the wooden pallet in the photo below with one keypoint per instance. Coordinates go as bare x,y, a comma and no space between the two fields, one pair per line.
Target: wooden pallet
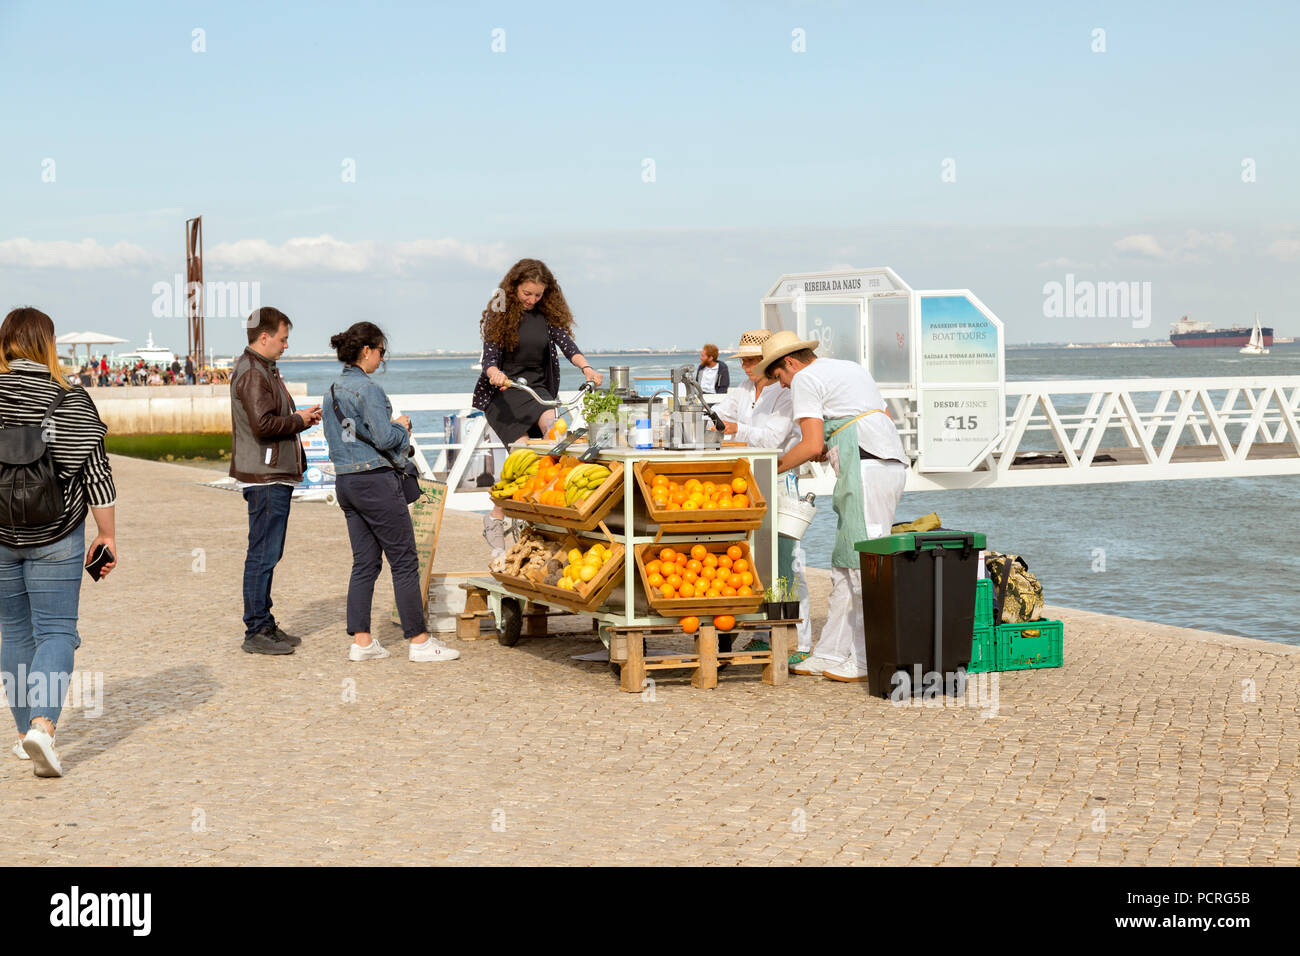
627,648
469,624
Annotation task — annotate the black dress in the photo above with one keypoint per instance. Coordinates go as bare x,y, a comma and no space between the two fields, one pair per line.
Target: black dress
513,413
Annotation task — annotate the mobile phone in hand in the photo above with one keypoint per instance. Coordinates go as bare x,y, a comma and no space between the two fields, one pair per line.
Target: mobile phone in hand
101,557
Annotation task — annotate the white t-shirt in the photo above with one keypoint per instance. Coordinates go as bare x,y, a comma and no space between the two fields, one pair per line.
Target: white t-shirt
833,388
767,422
709,379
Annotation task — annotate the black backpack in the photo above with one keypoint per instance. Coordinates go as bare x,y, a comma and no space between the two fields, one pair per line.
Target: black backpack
31,493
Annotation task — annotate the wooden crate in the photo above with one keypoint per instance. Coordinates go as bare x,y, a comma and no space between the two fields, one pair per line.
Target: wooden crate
697,606
598,588
702,522
586,516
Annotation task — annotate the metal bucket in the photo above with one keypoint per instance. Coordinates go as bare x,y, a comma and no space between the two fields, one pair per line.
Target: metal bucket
620,378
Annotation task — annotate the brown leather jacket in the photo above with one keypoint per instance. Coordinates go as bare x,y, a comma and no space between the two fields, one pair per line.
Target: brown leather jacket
264,428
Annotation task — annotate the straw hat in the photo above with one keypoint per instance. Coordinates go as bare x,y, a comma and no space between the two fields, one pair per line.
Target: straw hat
782,344
751,343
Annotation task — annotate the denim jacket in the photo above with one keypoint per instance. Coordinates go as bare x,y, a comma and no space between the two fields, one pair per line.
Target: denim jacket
364,403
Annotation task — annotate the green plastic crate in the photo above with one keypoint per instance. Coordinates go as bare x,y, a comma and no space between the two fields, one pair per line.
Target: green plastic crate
984,603
983,651
1030,644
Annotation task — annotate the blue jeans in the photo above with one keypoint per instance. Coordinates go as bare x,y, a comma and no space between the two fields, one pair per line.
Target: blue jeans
40,589
268,520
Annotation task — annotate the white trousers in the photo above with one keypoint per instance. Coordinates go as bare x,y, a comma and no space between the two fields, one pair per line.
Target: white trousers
844,635
804,630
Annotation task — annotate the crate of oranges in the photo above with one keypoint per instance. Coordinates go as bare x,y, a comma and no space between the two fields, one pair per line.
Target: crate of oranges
566,493
701,496
715,577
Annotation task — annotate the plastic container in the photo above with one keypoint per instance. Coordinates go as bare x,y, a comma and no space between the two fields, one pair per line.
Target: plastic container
793,517
983,650
1030,644
918,602
984,603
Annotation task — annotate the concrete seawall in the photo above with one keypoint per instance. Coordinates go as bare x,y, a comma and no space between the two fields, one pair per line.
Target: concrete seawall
169,409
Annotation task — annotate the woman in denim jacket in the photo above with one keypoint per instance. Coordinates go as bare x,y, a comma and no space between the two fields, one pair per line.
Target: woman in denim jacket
363,440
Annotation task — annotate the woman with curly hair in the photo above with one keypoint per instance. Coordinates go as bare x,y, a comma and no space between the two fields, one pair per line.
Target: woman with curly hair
522,327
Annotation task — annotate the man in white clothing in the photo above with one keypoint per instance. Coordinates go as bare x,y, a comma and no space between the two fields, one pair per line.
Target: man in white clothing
841,415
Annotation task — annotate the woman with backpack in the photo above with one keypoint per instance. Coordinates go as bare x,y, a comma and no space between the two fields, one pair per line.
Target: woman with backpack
53,469
367,448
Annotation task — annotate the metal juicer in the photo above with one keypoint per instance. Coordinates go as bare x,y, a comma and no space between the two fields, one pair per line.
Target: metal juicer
688,425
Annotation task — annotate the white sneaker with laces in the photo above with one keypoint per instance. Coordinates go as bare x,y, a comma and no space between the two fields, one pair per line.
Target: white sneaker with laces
19,752
432,650
849,672
40,748
812,666
371,652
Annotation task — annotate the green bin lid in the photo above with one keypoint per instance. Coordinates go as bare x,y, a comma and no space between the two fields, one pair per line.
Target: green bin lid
922,541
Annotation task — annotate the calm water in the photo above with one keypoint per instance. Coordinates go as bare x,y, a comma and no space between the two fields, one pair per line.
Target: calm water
1219,555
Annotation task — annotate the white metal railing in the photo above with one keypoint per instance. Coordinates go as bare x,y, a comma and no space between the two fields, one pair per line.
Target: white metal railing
1057,433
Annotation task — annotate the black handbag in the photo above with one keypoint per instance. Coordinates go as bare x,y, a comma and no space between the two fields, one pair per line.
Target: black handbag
31,493
407,474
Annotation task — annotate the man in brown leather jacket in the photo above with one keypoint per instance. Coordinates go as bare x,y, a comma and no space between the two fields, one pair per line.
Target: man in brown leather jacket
268,462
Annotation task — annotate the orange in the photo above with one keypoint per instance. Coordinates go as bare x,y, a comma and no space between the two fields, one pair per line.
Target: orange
735,581
690,577
724,622
708,574
690,624
681,559
674,581
660,481
747,578
735,553
709,488
668,591
710,560
713,592
660,501
724,563
694,566
692,485
726,592
678,497
652,568
741,566
690,504
655,580
739,485
710,505
667,555
744,591
699,552
674,506
740,501
686,591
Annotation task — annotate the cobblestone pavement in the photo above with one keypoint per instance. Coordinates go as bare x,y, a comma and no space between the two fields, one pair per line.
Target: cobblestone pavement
1152,745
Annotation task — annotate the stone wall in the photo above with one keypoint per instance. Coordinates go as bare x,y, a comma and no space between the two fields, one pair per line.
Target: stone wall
169,409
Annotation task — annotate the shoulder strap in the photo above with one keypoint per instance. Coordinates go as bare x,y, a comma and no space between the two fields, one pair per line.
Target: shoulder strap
356,432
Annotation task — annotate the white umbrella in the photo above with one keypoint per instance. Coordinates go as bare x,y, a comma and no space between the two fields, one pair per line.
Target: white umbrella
87,339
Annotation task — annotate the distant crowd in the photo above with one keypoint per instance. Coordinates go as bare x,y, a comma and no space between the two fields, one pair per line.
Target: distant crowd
98,372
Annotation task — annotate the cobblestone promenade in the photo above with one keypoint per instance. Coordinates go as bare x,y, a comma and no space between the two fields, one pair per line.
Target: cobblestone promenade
1153,745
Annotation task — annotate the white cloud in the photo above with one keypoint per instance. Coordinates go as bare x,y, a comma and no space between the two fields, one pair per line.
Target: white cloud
65,254
1143,244
1288,250
1063,263
327,254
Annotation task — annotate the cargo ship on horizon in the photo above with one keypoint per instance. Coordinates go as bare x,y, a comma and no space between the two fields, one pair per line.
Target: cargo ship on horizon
1188,334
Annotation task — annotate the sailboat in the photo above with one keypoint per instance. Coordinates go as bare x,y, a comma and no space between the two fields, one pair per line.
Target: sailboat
1256,344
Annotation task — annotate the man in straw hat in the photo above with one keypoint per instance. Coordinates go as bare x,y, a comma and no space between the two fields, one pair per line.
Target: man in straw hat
841,415
758,413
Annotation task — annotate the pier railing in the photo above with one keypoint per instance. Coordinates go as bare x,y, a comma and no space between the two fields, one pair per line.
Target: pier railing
1057,433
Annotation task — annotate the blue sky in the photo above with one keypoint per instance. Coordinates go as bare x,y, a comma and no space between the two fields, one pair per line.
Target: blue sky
1122,165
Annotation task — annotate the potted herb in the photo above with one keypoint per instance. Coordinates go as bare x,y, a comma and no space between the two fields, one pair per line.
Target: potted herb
600,411
789,599
772,607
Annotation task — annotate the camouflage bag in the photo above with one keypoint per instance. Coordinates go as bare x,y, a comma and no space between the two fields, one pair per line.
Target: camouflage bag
1017,594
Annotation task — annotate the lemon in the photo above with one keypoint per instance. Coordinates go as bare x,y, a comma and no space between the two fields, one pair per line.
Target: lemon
575,556
588,572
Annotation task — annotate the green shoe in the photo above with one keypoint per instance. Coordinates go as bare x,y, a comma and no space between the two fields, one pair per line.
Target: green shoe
757,645
798,657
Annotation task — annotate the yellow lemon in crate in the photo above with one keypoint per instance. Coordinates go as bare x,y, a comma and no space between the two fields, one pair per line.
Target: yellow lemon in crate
575,556
588,572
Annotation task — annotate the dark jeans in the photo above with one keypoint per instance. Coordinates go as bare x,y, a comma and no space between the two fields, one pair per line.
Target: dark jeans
378,521
268,520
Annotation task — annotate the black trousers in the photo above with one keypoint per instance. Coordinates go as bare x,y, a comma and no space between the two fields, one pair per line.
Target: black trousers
378,523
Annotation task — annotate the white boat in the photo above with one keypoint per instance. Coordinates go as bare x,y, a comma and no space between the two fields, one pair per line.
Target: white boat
1256,344
150,353
477,366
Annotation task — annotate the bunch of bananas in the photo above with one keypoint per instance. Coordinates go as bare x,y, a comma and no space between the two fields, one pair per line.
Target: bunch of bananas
582,481
518,468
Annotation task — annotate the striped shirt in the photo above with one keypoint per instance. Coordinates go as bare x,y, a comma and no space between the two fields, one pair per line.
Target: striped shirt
78,449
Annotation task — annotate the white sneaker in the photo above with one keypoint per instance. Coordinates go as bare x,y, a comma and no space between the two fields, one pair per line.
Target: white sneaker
40,748
849,672
812,666
433,650
371,652
19,752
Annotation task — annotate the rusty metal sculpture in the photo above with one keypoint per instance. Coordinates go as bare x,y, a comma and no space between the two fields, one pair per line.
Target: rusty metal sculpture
194,288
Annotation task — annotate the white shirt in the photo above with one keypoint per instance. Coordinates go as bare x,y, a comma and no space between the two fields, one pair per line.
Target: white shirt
767,422
709,379
833,388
